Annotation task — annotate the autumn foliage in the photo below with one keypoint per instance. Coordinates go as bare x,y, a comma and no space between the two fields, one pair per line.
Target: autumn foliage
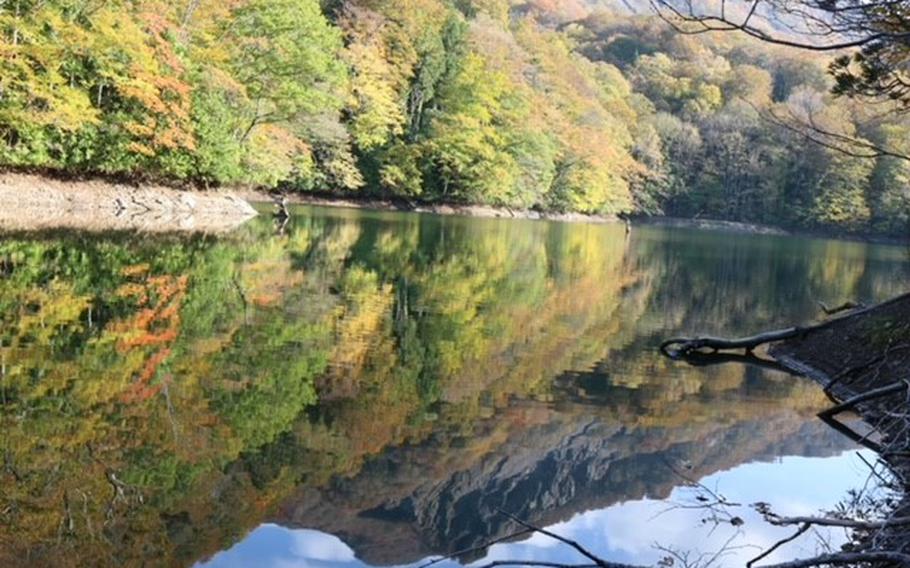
558,106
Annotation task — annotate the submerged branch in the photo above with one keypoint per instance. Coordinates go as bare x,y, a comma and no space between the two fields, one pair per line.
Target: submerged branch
702,359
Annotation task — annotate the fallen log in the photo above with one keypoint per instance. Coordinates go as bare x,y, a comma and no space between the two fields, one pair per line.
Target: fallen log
680,347
702,359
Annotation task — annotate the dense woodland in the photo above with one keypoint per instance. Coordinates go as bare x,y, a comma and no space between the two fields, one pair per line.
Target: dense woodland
557,106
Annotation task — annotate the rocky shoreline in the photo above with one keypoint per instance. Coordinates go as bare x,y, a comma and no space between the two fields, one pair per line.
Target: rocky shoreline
860,357
865,351
36,202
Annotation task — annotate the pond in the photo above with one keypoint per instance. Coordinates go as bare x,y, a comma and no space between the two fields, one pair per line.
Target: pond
374,389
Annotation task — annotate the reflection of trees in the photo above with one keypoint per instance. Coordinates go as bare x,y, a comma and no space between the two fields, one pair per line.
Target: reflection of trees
159,397
757,279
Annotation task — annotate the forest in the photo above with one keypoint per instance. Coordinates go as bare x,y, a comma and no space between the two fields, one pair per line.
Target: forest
588,107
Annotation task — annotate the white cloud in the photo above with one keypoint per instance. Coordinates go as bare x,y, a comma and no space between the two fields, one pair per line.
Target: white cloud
315,545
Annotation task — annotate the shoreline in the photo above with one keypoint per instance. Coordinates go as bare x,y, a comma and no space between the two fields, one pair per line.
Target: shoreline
402,206
856,356
715,225
38,200
864,376
759,229
493,212
771,230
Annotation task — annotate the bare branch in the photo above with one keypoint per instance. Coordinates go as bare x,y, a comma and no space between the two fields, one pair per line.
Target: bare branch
574,544
846,559
833,522
691,23
799,532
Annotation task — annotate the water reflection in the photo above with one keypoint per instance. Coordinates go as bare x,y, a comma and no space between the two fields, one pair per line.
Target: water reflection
386,378
636,531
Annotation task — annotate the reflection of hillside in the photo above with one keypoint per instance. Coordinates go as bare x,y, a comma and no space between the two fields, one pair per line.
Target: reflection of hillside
399,364
551,462
737,284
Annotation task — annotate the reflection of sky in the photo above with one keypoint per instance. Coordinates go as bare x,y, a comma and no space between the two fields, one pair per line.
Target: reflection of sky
627,532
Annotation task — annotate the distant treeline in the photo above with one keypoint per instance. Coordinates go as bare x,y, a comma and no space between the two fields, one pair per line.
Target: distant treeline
522,104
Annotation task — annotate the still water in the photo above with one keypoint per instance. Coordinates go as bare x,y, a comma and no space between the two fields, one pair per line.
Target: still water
370,389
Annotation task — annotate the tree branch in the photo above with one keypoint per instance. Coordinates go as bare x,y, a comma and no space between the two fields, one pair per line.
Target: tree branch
799,532
846,559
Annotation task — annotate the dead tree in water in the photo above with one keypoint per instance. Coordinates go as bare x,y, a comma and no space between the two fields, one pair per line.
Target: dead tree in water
282,214
684,347
281,206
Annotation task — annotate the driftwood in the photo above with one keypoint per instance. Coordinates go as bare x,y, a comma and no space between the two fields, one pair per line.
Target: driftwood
850,404
681,347
685,347
828,415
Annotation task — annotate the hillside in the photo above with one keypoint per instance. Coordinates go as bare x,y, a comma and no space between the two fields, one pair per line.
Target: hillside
595,107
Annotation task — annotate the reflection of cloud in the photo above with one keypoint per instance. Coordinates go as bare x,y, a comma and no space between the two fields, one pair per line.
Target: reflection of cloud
314,545
632,531
626,532
273,546
540,541
633,528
